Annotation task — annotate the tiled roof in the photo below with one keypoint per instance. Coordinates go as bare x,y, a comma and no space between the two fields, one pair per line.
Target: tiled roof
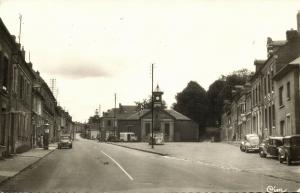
296,61
138,115
176,115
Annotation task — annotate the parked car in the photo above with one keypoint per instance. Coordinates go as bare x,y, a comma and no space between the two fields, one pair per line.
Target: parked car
290,149
112,138
65,141
127,136
269,146
249,143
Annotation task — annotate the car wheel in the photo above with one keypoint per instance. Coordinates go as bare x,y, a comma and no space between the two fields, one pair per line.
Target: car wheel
241,148
262,154
288,160
280,159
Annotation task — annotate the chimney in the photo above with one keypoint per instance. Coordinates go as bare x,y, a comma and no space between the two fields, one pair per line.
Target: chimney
23,52
13,37
291,34
298,21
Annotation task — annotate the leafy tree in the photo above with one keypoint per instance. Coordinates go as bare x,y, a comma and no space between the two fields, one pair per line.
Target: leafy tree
147,104
192,103
221,90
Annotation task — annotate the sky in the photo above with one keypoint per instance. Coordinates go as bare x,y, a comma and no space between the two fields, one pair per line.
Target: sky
96,48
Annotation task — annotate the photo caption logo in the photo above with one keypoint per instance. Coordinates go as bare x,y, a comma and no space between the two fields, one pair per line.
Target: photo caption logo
275,189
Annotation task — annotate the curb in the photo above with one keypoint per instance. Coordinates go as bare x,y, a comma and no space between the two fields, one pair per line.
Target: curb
143,150
26,167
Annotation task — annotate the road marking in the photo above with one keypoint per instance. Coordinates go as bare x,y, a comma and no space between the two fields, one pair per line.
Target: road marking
129,176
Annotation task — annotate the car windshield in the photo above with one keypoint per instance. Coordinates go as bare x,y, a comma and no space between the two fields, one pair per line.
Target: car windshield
65,138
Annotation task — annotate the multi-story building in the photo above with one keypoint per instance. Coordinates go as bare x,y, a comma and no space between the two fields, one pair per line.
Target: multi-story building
7,47
274,90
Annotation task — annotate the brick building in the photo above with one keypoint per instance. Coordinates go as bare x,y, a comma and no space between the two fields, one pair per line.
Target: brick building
274,92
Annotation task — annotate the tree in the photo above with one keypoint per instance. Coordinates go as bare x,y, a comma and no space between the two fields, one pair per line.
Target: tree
192,103
221,90
147,104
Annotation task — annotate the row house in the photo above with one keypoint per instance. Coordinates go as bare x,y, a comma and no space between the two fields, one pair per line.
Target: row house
274,97
16,97
28,106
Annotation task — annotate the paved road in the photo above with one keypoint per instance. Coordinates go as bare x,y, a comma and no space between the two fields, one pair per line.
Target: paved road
98,167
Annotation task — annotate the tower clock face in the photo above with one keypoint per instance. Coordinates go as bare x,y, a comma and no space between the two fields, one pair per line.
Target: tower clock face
157,98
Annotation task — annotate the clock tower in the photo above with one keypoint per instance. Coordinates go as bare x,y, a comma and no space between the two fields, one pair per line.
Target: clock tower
157,96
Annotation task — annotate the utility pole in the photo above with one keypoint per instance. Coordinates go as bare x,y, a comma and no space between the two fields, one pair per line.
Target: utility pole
152,107
115,129
99,136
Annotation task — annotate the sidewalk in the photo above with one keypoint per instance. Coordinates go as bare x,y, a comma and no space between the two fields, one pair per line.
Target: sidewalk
9,167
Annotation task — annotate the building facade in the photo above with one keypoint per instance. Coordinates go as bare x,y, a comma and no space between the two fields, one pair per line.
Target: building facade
274,97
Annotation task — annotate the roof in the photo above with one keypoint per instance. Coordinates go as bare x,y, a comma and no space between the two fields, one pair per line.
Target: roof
277,43
176,115
296,61
138,115
121,113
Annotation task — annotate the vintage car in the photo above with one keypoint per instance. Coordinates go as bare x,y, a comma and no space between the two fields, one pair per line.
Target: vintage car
65,141
127,136
249,143
290,150
269,146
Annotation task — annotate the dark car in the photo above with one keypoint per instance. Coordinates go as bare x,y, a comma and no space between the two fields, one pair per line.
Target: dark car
269,146
290,150
249,143
65,141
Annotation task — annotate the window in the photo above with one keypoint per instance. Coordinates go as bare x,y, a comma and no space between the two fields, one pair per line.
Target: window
265,86
270,121
167,129
259,93
21,86
266,118
5,73
147,125
288,123
281,128
269,83
256,98
109,123
2,127
273,115
272,74
288,91
281,96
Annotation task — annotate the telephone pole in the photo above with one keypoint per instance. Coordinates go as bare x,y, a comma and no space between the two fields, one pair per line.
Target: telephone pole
115,128
152,106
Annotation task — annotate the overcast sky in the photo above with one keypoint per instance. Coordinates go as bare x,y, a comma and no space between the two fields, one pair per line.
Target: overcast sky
95,48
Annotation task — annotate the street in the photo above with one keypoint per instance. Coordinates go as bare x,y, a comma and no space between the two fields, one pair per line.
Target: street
98,167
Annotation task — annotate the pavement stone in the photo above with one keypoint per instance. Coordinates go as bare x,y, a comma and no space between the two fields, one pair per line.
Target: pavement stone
9,167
